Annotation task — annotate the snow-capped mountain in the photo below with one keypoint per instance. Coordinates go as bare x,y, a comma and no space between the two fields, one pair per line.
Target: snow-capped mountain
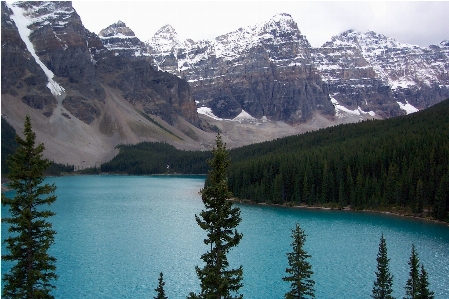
121,40
84,98
264,70
358,70
377,71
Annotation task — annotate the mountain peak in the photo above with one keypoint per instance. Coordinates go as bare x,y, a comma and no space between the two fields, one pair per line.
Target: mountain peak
281,22
118,28
166,30
165,39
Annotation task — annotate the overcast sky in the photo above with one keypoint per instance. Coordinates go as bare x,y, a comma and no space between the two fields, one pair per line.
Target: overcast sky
413,22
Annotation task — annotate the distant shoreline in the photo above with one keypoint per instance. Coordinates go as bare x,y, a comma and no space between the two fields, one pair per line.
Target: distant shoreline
347,208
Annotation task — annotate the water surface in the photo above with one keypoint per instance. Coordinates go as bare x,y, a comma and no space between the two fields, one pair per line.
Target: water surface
116,233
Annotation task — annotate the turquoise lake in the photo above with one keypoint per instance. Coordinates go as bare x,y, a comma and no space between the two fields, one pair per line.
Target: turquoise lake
115,234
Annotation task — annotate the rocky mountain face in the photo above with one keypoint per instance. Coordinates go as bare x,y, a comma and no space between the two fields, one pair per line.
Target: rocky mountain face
72,82
375,72
271,70
87,93
265,70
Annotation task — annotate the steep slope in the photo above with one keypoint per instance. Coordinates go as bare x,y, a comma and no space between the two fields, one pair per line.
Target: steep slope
121,40
264,70
84,99
372,71
271,70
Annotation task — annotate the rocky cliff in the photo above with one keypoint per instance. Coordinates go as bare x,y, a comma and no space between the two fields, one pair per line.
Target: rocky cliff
265,70
83,96
375,72
271,70
87,93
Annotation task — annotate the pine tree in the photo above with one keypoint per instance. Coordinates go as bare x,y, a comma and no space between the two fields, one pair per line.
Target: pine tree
31,235
160,288
300,271
383,285
423,287
219,219
412,285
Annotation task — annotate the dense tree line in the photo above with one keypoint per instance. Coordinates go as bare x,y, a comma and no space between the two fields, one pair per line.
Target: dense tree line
398,163
401,162
156,158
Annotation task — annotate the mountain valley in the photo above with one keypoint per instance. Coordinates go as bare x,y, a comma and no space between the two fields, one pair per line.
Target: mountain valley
88,93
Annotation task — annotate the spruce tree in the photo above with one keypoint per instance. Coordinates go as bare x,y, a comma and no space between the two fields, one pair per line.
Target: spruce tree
423,286
412,285
382,288
33,269
219,220
300,271
160,288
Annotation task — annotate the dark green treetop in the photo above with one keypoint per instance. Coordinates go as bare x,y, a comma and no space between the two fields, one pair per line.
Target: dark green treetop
412,285
219,220
31,236
160,288
383,286
423,287
299,270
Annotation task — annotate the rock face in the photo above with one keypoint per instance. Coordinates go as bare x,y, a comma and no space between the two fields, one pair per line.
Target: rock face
121,40
82,62
271,70
265,70
374,72
85,97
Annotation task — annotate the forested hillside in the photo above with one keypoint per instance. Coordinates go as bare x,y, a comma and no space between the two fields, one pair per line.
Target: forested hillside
400,163
156,158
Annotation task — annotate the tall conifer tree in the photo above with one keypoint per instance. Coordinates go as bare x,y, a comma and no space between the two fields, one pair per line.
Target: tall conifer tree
220,220
412,285
300,270
383,285
423,287
33,269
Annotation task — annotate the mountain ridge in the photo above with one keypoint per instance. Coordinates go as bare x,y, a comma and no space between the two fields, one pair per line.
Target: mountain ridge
256,83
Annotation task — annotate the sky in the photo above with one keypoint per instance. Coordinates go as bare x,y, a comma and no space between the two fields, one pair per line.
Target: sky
413,22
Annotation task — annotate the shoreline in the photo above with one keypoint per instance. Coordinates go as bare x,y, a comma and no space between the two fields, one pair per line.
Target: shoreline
347,208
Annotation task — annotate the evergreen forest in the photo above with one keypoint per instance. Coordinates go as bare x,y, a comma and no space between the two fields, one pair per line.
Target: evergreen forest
396,164
399,164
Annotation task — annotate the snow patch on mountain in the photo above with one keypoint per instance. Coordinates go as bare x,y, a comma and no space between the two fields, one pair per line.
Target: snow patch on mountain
22,21
407,107
208,112
341,111
244,117
279,30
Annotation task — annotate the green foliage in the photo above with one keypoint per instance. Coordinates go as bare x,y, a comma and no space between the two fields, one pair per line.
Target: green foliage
299,271
160,288
412,286
9,144
417,286
153,158
383,286
400,163
31,236
423,287
219,220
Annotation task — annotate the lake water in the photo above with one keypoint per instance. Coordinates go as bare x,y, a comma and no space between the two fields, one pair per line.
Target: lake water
115,234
